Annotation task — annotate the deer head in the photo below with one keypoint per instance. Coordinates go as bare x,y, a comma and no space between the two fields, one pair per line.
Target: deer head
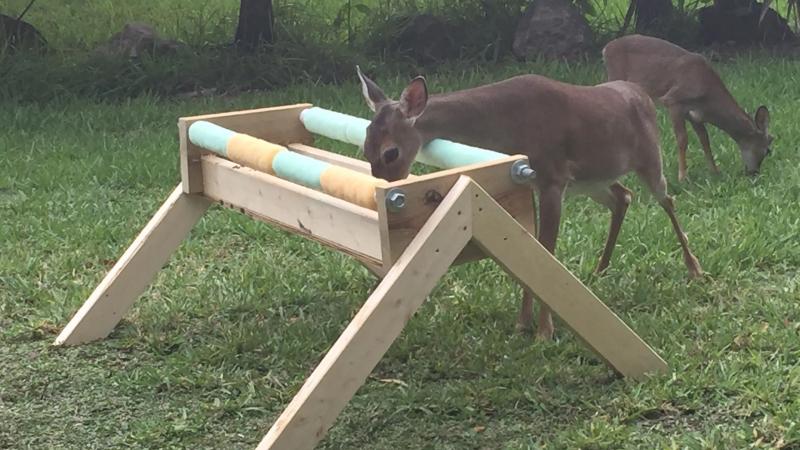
392,142
756,146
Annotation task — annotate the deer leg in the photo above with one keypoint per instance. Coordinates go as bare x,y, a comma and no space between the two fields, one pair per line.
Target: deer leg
658,186
702,134
525,319
679,126
616,198
549,219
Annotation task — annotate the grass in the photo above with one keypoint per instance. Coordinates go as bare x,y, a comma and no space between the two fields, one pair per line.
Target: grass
231,327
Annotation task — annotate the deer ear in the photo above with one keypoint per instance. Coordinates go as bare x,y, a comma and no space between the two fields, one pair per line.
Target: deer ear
414,98
372,93
762,118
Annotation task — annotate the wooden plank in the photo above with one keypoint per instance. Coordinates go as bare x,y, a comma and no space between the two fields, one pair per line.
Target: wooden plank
424,193
331,157
535,268
280,124
315,215
517,201
472,252
335,158
191,172
376,325
135,269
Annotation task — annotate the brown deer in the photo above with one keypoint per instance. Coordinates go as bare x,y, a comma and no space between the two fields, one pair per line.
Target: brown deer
690,89
578,137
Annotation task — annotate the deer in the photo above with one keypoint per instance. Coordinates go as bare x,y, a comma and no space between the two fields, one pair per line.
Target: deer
577,138
690,89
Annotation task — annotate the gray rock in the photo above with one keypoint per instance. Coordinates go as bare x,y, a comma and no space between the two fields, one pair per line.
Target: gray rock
553,29
16,34
137,39
425,38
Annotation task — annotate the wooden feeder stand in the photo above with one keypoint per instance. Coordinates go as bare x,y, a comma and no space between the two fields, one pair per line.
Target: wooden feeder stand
410,241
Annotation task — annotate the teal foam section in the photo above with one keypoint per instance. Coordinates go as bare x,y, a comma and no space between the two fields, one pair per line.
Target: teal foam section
439,153
210,137
299,169
448,154
334,125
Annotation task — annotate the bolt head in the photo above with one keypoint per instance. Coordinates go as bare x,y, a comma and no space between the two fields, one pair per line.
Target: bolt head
395,200
521,172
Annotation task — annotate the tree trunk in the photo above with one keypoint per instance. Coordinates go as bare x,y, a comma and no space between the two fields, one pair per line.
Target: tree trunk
648,15
255,24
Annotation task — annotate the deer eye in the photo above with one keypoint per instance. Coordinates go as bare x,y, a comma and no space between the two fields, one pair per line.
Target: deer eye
390,155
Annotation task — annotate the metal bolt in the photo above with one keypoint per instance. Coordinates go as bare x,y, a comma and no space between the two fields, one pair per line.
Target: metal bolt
395,200
521,172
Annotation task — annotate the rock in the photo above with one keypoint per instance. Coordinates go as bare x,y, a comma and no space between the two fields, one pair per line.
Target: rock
552,28
137,39
425,38
19,35
738,24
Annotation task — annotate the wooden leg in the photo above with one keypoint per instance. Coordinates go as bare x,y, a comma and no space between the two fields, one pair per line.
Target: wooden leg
135,269
537,270
374,269
376,325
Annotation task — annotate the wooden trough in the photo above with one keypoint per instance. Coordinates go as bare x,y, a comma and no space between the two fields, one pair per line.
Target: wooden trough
444,219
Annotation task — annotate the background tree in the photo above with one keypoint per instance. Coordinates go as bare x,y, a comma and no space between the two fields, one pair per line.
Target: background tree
256,23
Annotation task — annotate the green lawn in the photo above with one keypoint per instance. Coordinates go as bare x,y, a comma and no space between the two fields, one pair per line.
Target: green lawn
232,326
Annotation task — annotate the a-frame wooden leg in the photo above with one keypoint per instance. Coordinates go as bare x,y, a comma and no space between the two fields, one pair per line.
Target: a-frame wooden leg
135,269
535,268
377,324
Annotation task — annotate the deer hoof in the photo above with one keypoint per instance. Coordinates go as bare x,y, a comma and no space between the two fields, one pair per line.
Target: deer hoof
695,271
544,335
524,329
601,268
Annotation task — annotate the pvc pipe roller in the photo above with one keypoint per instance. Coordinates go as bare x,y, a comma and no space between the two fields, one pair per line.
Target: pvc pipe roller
439,153
347,184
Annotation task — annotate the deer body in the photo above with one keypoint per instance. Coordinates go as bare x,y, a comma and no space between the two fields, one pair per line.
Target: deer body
576,137
597,138
691,90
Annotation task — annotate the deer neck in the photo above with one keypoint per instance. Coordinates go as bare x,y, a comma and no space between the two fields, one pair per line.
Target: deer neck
445,119
733,120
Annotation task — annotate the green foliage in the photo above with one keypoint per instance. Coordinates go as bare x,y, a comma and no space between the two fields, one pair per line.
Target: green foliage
315,42
231,327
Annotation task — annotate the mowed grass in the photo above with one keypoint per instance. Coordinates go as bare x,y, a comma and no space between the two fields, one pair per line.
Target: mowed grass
225,336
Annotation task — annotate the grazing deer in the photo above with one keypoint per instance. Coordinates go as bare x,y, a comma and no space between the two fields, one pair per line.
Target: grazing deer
690,89
574,136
